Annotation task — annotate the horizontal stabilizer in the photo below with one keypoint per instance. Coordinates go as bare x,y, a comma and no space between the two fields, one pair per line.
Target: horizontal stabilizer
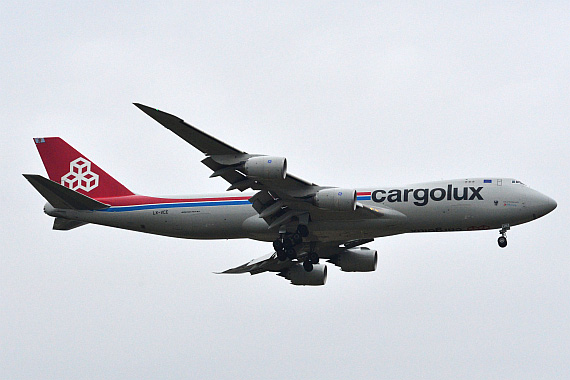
62,224
60,196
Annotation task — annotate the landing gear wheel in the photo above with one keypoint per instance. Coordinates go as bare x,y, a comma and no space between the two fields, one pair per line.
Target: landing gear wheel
278,245
281,255
303,230
291,253
297,238
288,242
307,266
502,241
313,257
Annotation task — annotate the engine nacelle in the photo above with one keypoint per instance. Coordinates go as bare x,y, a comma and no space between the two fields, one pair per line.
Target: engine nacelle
336,199
266,167
299,276
357,260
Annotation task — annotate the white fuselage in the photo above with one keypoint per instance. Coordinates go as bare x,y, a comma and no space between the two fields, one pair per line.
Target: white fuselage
454,205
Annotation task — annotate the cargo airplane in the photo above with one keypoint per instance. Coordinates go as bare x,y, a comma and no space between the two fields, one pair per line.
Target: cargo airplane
305,222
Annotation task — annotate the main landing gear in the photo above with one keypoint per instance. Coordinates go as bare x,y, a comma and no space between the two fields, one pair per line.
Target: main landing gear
285,247
503,238
286,242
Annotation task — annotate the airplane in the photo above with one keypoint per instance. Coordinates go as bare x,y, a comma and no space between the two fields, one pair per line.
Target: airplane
305,222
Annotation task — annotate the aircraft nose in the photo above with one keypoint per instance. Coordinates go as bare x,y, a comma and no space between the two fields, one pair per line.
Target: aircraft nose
551,205
545,204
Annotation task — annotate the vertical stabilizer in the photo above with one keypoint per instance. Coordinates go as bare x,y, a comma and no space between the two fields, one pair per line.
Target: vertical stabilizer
73,170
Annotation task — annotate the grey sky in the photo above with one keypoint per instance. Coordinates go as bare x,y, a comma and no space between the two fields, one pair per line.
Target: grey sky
352,94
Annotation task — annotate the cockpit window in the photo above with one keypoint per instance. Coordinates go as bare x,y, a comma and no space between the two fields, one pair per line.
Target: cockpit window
517,182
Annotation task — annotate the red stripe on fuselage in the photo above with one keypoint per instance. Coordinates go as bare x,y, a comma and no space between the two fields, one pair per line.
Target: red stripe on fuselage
134,200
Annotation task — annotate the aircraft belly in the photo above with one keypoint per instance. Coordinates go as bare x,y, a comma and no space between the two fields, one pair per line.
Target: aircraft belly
355,229
192,222
214,223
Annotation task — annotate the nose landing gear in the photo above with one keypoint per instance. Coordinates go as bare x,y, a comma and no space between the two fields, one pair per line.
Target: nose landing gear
503,238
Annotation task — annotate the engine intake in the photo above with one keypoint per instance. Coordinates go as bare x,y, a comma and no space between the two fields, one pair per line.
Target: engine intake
266,167
336,199
356,260
299,276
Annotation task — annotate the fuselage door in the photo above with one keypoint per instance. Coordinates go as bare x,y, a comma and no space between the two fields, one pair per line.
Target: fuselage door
499,182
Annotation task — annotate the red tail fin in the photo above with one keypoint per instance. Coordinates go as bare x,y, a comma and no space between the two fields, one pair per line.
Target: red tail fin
67,166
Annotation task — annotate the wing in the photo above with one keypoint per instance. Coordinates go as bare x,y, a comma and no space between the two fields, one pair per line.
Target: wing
346,257
266,263
280,200
293,270
222,158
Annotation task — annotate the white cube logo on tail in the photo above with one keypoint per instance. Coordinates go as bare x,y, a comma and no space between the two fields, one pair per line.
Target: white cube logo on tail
80,176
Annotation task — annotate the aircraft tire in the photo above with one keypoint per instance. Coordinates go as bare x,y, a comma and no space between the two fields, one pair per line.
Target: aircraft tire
277,245
307,266
297,238
502,241
291,253
288,242
303,230
281,255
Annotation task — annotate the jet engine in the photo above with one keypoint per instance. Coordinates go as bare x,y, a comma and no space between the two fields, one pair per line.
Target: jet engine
299,276
336,199
356,260
266,167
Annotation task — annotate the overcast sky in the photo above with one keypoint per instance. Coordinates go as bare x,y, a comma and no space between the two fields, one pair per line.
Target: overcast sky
358,95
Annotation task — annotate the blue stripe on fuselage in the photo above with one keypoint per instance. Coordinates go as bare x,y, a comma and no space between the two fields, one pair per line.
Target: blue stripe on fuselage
191,204
174,205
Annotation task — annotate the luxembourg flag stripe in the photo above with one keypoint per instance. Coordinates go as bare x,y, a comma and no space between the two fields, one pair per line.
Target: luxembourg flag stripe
363,196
